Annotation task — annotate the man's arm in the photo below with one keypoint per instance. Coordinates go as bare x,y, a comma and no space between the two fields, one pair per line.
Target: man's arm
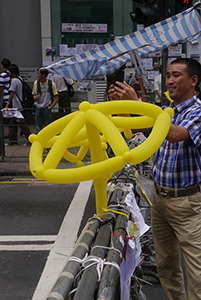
158,93
177,134
56,99
1,91
11,96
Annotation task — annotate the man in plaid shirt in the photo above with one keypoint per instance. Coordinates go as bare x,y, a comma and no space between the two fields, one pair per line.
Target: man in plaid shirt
176,195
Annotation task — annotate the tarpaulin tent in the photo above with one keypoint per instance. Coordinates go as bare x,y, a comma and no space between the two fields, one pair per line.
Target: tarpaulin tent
104,60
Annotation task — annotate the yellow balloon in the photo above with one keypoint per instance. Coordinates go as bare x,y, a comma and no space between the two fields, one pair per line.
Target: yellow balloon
133,122
168,96
35,160
64,140
129,107
111,133
100,193
70,157
128,134
93,127
86,173
95,143
54,128
153,142
82,152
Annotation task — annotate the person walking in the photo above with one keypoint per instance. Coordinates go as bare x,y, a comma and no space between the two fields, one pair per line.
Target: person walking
157,87
46,97
176,195
4,87
62,88
15,101
4,81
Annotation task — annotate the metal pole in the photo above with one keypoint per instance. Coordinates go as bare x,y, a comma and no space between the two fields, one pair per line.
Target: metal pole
164,69
64,283
108,285
88,282
164,100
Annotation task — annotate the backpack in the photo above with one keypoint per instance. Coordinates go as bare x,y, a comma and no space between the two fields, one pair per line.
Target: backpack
71,91
27,98
49,87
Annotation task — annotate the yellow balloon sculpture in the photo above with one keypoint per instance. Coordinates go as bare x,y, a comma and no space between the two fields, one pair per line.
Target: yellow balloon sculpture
92,127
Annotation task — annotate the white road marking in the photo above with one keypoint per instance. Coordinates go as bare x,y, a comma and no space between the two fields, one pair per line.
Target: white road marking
8,240
64,242
45,247
27,238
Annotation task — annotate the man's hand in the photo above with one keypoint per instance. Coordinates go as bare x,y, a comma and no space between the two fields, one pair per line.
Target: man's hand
122,91
37,97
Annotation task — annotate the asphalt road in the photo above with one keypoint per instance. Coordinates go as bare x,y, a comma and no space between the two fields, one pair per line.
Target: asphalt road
33,216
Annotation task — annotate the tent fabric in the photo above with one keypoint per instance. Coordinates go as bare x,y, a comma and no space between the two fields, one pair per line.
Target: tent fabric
104,60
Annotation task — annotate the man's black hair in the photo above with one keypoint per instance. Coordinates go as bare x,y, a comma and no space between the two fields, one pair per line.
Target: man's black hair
193,67
14,69
5,63
43,71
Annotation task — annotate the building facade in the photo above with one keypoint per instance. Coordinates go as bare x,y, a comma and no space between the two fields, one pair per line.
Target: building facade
31,27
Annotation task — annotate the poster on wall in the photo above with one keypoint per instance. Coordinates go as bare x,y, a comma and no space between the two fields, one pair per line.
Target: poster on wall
147,63
63,49
155,54
85,86
175,50
77,50
170,60
195,50
152,74
195,56
50,51
78,27
71,51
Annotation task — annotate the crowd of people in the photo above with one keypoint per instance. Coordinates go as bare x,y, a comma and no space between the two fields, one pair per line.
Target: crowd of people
46,94
176,170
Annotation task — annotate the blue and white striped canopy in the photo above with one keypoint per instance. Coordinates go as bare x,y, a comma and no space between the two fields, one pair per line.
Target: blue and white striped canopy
104,60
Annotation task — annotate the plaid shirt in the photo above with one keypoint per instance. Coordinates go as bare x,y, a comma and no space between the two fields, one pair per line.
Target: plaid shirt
178,165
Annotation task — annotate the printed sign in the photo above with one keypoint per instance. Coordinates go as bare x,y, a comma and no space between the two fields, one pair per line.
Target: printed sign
73,27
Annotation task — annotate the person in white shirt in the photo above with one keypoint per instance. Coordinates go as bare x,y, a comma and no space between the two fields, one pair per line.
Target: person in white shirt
15,101
62,88
157,87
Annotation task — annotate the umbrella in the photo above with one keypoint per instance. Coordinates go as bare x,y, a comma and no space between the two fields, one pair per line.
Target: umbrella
104,60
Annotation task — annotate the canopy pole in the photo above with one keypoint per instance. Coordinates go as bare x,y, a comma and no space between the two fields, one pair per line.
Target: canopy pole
164,62
164,70
135,62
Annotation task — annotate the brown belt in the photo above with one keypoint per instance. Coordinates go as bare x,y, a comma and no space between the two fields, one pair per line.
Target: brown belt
174,193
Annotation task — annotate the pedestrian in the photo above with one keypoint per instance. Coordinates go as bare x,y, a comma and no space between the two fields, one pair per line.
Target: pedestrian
46,97
157,87
4,87
15,101
176,195
62,88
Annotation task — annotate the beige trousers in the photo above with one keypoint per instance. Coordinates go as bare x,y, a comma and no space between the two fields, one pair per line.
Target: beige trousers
176,225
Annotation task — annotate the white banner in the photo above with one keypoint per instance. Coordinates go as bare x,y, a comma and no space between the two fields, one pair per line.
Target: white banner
73,27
